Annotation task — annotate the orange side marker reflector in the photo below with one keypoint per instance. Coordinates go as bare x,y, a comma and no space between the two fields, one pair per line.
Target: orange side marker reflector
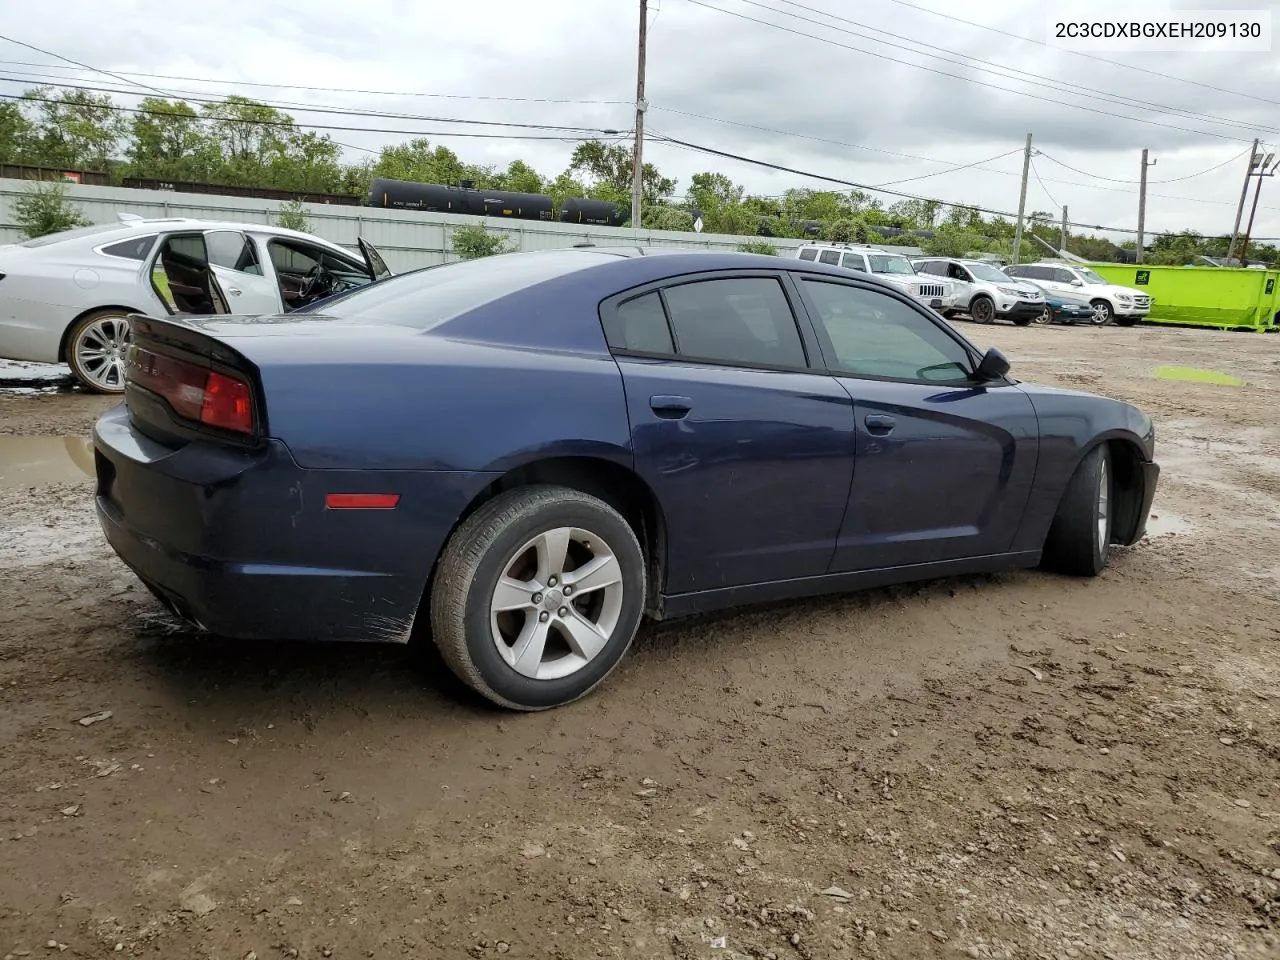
361,501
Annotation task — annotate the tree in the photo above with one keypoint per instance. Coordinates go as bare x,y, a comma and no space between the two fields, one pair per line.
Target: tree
474,241
759,246
848,230
44,208
662,217
170,142
73,129
520,178
293,216
609,170
15,134
250,135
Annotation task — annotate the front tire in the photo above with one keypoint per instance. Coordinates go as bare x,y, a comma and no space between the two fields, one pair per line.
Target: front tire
1080,537
982,310
95,350
1102,313
538,596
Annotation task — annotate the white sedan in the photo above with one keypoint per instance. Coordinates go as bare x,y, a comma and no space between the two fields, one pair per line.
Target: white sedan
66,297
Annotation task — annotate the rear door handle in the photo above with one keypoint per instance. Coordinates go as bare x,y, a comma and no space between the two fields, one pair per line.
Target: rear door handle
670,408
878,423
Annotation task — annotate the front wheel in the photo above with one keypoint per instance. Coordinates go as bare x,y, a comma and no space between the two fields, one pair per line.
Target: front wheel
96,348
1080,536
982,310
538,596
1102,313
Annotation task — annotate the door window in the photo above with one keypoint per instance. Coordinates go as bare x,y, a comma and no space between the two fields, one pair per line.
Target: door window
878,336
830,256
233,251
957,272
809,254
640,325
854,261
745,321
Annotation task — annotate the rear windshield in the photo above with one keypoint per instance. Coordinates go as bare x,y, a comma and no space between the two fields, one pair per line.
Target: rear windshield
71,234
426,298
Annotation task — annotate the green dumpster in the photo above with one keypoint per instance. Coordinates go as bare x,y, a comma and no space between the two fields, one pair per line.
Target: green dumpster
1222,297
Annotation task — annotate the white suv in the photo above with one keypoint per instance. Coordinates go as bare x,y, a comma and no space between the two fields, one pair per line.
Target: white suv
1110,302
984,291
893,268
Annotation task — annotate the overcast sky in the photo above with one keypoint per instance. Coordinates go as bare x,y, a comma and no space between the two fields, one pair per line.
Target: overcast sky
759,90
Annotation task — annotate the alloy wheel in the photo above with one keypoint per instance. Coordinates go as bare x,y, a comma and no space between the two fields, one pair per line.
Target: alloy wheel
100,352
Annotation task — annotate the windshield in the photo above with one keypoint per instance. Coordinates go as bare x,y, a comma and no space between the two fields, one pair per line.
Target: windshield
890,264
985,271
431,296
71,234
1089,276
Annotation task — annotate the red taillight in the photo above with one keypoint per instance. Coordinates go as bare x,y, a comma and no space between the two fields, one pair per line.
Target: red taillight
207,396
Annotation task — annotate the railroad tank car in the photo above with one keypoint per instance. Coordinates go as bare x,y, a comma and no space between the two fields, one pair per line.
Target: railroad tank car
600,213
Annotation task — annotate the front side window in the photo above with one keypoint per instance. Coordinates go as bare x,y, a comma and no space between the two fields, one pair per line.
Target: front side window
877,336
745,321
830,256
854,261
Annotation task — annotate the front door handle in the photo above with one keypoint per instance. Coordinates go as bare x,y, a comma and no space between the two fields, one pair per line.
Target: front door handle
234,291
879,424
670,408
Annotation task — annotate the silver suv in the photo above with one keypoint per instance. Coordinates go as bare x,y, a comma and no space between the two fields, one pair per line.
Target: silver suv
1110,301
984,291
893,268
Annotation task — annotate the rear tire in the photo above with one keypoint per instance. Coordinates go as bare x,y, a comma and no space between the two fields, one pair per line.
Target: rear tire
95,350
1080,536
1045,317
504,611
982,310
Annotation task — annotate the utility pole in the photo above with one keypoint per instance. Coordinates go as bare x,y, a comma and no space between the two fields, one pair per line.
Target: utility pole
1262,172
1064,228
1022,198
637,168
1142,204
1244,192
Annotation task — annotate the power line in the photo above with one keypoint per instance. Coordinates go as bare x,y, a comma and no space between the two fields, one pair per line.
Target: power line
1087,56
85,66
938,173
1189,176
956,76
319,126
312,89
1055,203
342,111
1023,76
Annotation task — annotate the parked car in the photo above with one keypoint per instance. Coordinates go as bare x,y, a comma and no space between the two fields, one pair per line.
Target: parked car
1109,301
66,297
1063,307
984,291
518,457
893,268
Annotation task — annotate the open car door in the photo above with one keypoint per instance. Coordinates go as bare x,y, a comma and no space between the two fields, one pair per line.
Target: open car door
183,278
377,267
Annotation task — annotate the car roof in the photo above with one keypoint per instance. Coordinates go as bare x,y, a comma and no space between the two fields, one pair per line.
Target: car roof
99,234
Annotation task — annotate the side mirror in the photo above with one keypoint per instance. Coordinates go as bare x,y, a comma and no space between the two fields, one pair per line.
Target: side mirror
1077,282
994,366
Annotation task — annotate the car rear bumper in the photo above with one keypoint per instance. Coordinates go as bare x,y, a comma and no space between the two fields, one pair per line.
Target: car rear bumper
242,544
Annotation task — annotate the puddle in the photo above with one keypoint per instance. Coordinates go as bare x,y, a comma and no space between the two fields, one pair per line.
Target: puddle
1164,524
1197,375
31,461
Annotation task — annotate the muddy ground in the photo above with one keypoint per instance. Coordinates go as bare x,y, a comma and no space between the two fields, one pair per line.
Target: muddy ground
1007,766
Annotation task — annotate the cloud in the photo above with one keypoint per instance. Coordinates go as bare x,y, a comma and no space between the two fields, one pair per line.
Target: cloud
794,100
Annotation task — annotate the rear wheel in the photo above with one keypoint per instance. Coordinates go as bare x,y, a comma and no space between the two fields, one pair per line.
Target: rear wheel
982,310
538,596
1080,536
96,350
1045,316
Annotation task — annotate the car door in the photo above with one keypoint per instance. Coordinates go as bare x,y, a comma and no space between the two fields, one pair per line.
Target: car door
944,464
235,262
378,269
962,280
748,446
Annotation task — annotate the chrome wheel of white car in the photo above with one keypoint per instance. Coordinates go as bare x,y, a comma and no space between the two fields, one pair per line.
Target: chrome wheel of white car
96,351
557,603
1102,313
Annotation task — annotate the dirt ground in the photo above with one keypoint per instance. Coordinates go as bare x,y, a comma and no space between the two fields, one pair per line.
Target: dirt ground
1007,766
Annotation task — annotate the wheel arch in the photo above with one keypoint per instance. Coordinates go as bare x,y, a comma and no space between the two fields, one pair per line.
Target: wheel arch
66,333
614,483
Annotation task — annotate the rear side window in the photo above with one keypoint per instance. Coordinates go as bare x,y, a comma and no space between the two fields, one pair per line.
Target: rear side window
135,248
809,254
640,325
830,256
744,321
854,261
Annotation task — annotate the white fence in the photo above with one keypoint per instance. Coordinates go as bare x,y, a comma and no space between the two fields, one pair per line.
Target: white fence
407,239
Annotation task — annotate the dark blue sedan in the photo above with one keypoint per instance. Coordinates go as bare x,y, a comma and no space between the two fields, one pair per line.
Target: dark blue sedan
520,457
